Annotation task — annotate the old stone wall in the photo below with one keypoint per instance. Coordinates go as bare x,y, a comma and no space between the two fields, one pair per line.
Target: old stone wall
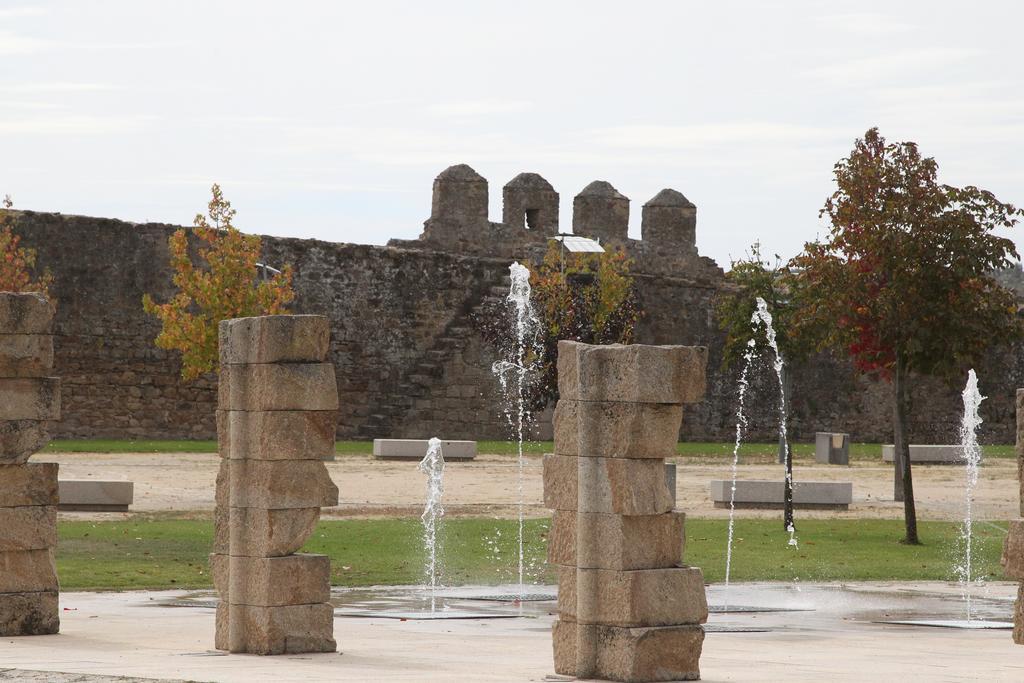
408,360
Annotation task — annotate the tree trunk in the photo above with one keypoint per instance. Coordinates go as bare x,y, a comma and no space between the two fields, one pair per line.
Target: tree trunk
786,454
904,483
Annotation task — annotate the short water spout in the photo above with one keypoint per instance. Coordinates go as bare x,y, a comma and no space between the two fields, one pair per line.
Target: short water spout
972,458
433,466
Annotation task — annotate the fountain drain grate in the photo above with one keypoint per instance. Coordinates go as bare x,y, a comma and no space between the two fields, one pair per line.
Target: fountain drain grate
506,597
747,609
972,625
721,628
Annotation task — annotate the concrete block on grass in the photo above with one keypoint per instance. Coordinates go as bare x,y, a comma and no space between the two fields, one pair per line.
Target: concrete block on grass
415,449
95,495
768,495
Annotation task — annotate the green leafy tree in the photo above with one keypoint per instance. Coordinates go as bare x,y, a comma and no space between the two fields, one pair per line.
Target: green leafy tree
903,282
223,284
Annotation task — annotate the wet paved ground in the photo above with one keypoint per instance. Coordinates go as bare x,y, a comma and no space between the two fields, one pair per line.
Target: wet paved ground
836,636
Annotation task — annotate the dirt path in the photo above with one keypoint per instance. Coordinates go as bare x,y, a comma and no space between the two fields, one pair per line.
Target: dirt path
183,483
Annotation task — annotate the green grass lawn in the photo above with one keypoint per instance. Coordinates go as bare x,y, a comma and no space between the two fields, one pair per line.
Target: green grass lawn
172,553
748,451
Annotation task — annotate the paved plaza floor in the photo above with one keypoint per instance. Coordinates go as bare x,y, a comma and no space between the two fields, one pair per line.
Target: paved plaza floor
829,632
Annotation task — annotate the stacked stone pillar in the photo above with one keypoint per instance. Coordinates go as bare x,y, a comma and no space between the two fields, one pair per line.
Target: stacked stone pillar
628,609
29,399
1013,547
278,404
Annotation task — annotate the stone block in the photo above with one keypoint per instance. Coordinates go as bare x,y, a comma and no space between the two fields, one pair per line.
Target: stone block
290,629
278,386
19,439
610,429
28,528
266,533
85,495
276,581
25,313
222,508
644,597
831,448
1020,446
929,454
618,541
220,572
28,571
633,655
28,484
415,449
26,355
635,373
29,614
281,484
1013,551
220,634
768,494
277,434
274,339
35,398
1018,616
615,485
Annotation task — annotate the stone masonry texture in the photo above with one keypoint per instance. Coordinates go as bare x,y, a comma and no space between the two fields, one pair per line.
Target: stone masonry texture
1013,546
29,402
272,599
420,368
628,608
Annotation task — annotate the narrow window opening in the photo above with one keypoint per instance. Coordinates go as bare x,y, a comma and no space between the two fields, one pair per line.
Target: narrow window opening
532,219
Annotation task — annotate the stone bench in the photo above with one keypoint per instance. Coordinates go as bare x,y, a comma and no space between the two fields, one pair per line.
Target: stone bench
763,494
832,448
949,454
415,449
89,495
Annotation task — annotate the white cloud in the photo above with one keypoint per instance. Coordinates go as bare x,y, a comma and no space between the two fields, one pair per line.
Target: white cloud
14,44
12,12
864,23
893,64
57,87
708,134
73,125
479,107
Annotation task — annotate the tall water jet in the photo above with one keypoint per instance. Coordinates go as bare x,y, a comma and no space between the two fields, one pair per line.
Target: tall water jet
761,316
525,342
972,457
741,426
433,466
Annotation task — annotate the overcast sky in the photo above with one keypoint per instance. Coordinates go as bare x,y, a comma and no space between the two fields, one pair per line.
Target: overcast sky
331,119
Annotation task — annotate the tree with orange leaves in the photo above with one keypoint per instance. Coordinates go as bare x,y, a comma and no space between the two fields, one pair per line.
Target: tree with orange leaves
222,286
18,263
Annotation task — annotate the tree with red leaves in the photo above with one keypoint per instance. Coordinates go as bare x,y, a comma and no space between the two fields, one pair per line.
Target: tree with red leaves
903,283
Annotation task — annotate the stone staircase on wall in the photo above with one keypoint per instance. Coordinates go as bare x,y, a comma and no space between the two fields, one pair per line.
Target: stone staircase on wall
426,374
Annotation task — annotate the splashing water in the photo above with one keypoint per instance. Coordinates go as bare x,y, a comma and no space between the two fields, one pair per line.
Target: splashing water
526,326
760,317
433,466
972,457
763,316
741,426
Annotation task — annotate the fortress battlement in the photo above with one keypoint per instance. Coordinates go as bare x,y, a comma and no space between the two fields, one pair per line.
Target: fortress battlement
459,222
